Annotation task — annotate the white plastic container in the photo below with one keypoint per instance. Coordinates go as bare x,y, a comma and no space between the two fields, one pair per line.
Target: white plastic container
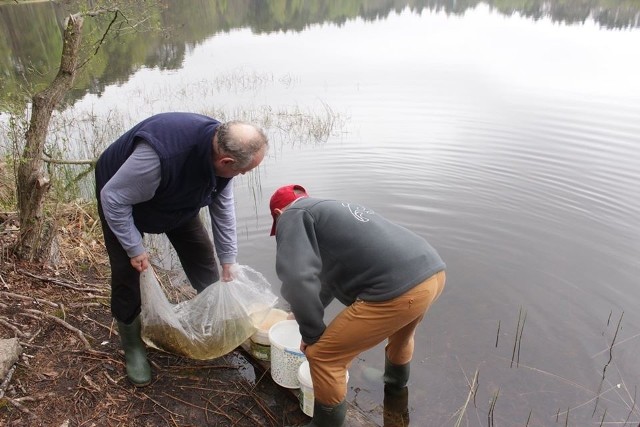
286,357
260,345
306,388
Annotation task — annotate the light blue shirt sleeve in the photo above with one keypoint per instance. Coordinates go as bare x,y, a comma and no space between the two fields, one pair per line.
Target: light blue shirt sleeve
223,225
135,182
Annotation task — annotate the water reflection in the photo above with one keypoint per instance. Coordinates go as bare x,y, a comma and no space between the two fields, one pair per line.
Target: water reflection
160,35
396,408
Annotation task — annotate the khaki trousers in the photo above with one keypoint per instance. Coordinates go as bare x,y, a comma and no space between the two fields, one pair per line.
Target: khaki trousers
364,325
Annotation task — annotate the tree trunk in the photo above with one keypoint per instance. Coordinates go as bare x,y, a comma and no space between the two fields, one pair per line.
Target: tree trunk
37,232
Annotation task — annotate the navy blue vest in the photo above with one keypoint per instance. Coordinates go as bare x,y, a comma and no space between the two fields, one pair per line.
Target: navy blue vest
183,142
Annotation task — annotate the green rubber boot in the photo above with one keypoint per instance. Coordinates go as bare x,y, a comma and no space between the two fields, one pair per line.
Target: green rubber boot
135,353
395,376
328,416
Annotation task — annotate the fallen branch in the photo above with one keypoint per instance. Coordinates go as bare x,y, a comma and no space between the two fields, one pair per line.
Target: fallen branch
63,323
85,305
22,408
169,411
218,410
28,298
35,398
48,159
60,282
11,326
34,336
258,401
108,328
4,284
89,381
6,381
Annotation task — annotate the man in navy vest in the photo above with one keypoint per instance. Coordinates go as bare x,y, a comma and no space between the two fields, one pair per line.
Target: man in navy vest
155,179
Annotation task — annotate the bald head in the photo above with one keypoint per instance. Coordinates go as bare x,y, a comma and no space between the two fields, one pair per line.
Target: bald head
242,141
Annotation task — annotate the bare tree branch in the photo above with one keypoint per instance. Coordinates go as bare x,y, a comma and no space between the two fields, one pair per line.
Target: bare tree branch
104,36
69,162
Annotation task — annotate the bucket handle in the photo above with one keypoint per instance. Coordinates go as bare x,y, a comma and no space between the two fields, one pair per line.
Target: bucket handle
296,353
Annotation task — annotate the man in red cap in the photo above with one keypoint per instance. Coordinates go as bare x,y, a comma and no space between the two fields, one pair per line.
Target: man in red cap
385,275
283,197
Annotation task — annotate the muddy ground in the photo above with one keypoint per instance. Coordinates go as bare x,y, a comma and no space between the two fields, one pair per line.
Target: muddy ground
71,372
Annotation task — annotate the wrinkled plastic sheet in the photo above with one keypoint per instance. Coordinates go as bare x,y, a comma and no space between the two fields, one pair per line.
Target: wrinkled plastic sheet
211,324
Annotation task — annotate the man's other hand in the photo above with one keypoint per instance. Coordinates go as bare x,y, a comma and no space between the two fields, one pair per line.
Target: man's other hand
227,276
140,262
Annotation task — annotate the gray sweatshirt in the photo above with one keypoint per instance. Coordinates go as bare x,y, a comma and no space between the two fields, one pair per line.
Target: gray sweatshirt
136,182
330,249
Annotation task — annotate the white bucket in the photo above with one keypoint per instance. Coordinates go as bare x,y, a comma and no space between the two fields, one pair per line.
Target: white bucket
260,346
306,388
286,357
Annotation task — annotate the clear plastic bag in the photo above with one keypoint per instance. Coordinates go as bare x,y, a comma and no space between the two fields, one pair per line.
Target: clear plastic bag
211,324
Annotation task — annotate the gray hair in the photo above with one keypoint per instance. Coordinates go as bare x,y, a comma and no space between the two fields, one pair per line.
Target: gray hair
242,146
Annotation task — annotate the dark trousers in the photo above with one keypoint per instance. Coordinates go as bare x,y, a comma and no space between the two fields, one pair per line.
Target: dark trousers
195,251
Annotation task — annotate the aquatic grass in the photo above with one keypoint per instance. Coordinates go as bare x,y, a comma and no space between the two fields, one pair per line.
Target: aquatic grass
587,402
604,370
76,138
515,356
232,94
292,125
492,407
603,417
609,392
473,388
239,80
242,80
557,377
616,344
622,398
635,390
621,388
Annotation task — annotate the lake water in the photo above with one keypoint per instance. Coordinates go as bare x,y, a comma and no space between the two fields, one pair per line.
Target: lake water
511,143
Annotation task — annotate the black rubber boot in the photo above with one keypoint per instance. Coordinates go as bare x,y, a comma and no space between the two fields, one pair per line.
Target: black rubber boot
135,353
396,407
395,376
328,416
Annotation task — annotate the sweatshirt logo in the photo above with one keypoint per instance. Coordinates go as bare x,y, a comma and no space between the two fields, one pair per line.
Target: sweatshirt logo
358,212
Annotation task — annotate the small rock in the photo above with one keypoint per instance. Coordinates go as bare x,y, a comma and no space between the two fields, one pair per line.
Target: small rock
10,350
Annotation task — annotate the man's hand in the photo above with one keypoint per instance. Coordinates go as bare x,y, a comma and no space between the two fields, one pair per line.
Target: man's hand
303,346
140,262
226,273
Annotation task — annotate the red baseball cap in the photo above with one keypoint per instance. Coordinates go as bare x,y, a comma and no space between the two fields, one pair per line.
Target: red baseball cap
282,198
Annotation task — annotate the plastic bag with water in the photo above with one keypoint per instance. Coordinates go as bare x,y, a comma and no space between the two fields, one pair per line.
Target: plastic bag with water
211,324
